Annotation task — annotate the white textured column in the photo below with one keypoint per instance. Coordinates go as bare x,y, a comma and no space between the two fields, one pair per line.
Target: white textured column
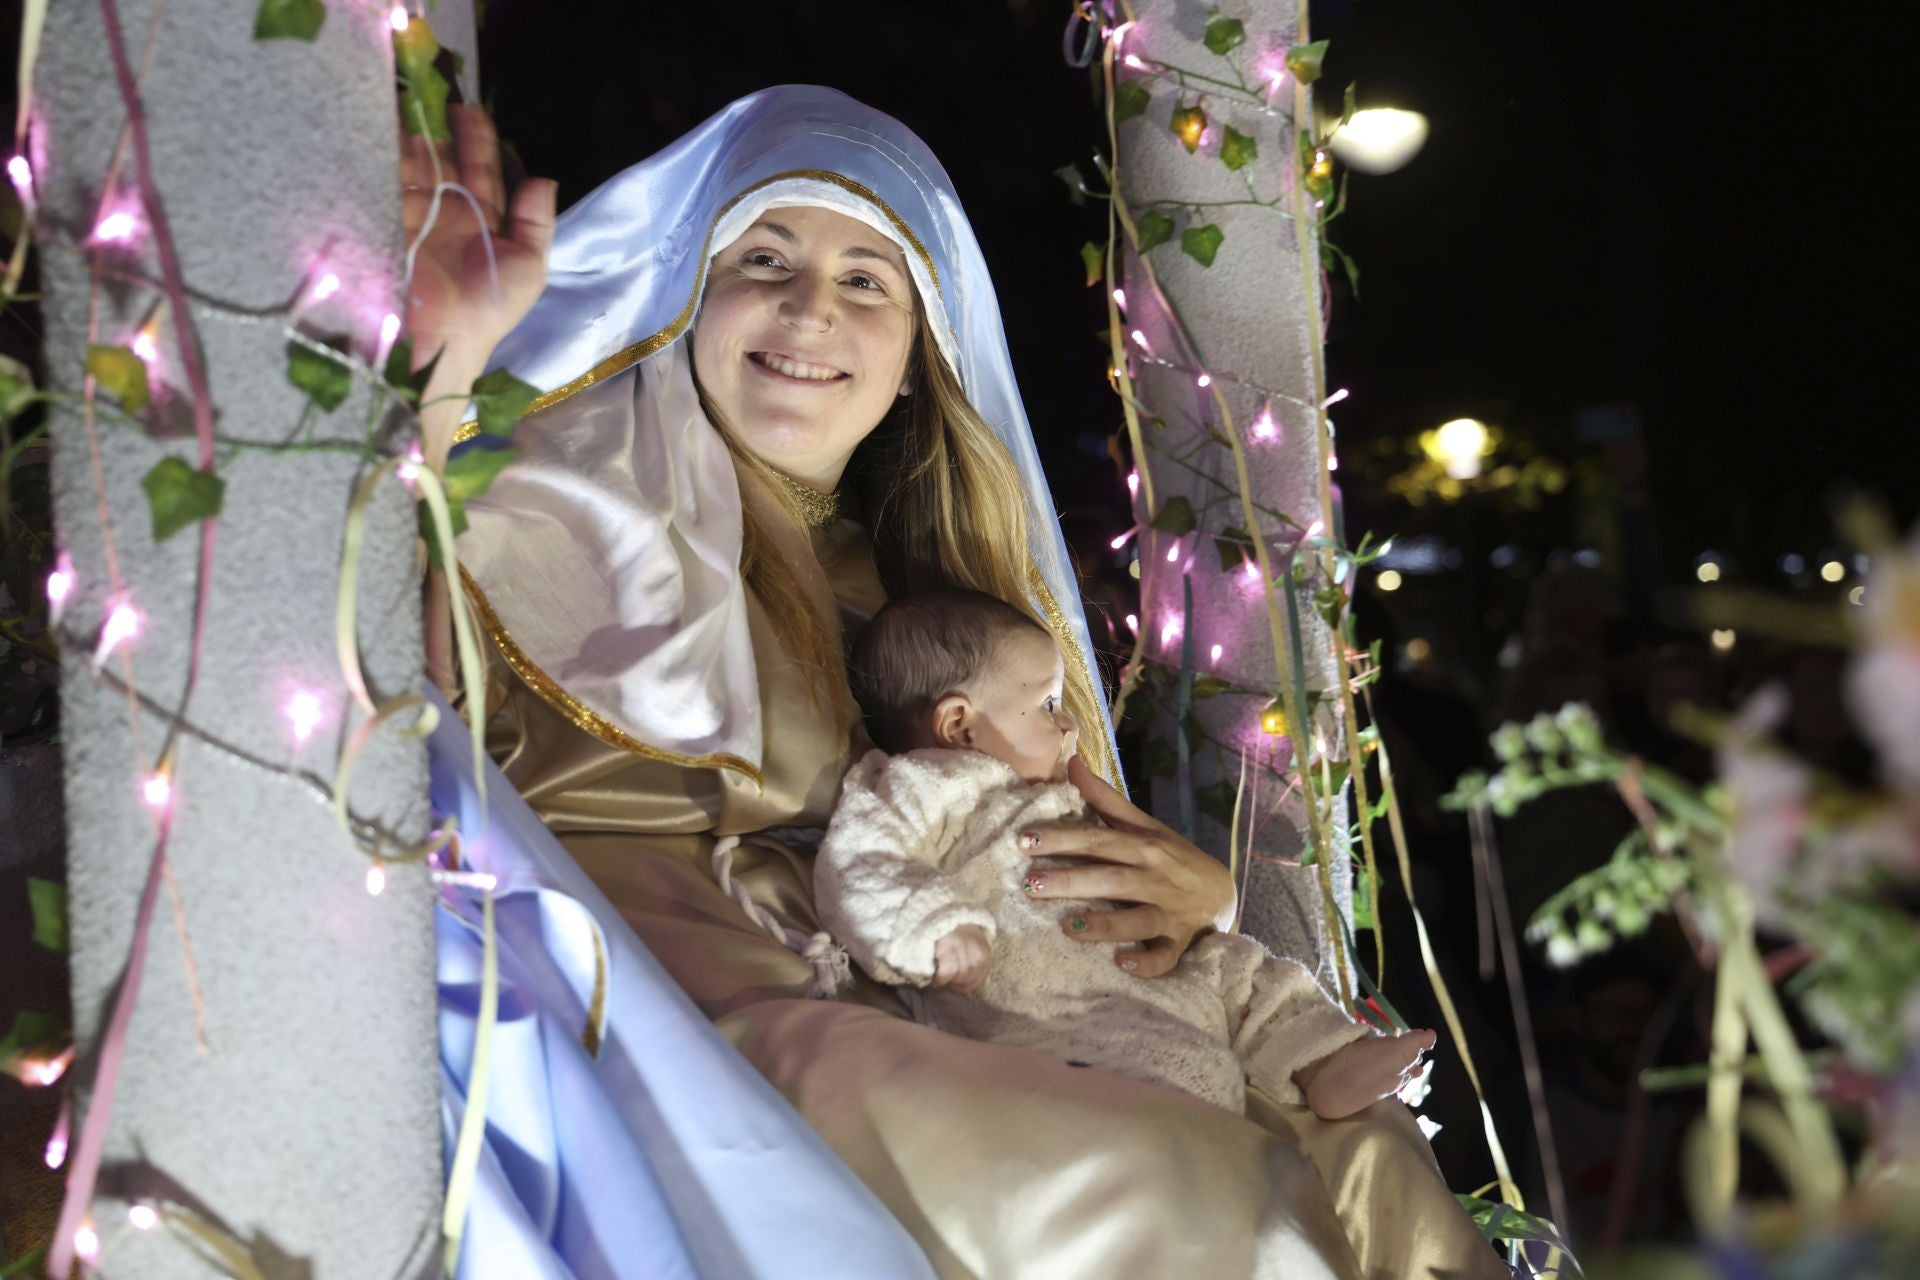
306,1123
1249,316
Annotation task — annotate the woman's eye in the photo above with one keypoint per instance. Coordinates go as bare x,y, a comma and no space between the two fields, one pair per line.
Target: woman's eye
866,284
761,258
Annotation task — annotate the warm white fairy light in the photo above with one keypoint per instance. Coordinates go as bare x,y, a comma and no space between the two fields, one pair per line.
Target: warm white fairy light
1133,623
142,1217
1140,339
389,331
1335,398
122,625
398,17
304,712
86,1243
1205,380
376,879
157,790
1120,298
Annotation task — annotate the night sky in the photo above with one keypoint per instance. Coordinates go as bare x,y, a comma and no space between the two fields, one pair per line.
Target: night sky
1620,204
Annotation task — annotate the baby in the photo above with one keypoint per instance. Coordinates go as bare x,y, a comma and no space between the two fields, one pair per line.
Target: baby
920,877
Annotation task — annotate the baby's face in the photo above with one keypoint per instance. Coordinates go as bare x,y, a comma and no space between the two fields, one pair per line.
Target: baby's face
1019,716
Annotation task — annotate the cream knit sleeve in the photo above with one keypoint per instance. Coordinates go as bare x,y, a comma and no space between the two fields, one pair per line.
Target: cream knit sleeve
877,879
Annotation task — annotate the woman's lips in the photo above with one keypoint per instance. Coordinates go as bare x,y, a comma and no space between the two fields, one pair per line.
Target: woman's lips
789,369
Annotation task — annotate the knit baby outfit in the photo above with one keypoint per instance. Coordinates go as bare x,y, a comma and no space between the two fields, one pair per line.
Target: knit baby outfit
925,842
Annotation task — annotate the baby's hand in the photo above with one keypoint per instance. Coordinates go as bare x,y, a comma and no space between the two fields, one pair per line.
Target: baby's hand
1359,1074
960,959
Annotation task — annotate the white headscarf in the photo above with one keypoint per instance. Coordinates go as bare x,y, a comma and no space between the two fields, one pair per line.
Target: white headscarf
607,555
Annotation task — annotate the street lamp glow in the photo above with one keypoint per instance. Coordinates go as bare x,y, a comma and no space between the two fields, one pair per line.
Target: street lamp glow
1380,139
1459,445
1707,571
1389,580
1833,571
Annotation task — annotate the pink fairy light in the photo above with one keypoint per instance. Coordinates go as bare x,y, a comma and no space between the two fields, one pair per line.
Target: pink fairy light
1216,653
142,1217
59,586
1134,62
1264,427
1333,463
123,624
118,227
389,330
1253,572
42,1072
1141,339
157,790
1123,539
1133,482
1120,298
1205,380
304,712
1314,529
22,175
86,1244
398,17
145,347
1335,398
1173,554
409,471
328,286
56,1152
1133,623
1171,629
376,879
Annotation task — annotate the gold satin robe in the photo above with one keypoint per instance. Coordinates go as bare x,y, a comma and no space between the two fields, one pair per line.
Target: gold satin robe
1001,1162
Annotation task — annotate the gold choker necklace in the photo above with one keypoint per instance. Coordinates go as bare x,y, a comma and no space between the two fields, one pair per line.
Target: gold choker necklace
817,509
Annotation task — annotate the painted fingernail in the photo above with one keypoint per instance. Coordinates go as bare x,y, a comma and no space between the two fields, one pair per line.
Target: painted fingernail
1077,923
1029,840
1130,964
1034,884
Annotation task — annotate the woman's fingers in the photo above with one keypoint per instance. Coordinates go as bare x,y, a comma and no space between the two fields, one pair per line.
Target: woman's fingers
1087,840
477,149
1103,799
1107,880
1124,924
533,205
1154,959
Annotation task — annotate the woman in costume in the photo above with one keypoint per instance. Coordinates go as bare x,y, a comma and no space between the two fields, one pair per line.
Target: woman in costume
664,575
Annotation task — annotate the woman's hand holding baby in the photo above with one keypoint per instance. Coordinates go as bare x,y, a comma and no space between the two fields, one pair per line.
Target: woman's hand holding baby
1132,857
1361,1072
961,958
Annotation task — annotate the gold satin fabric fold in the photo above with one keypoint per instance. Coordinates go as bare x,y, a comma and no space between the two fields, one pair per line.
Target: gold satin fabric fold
1001,1162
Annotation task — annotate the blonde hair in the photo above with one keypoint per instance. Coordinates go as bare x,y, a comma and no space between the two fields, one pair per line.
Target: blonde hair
945,508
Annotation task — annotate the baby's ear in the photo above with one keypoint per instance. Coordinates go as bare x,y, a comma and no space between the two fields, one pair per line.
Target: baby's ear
953,721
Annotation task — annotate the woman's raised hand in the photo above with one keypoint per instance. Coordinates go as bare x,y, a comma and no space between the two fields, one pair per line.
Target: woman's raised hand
1132,857
453,307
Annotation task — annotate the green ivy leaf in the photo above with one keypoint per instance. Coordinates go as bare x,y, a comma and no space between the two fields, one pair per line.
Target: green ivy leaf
1188,123
1207,685
1160,759
1202,243
1237,149
1304,60
1155,229
1175,516
1094,258
1332,254
470,470
423,104
1130,98
501,400
326,379
1362,899
48,901
1224,34
408,382
178,495
1216,801
31,1030
120,373
289,19
1234,546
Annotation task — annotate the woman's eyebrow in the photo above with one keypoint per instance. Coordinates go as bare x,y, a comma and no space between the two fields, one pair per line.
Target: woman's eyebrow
784,232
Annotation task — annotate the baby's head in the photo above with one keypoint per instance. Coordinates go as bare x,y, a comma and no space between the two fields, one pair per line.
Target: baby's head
963,670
